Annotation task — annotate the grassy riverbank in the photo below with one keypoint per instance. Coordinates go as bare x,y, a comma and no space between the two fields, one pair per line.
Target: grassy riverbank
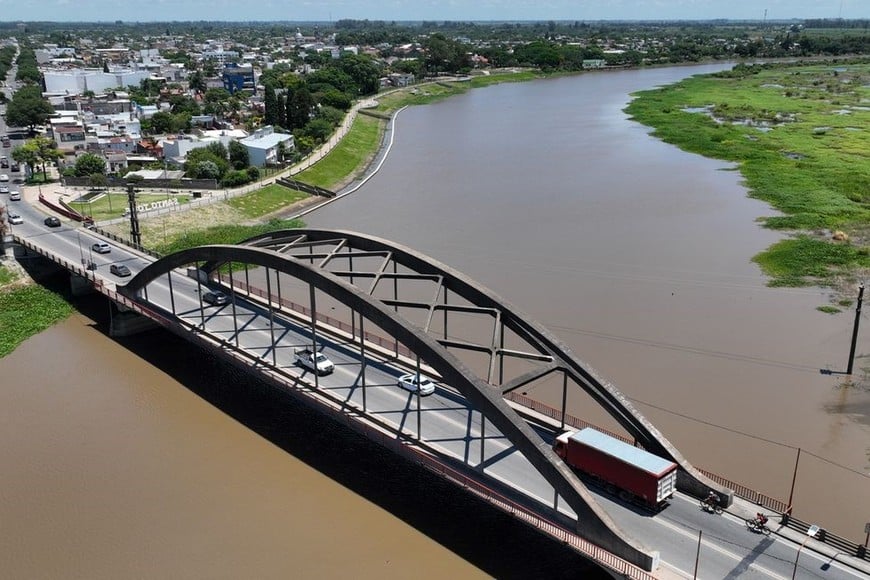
800,134
26,309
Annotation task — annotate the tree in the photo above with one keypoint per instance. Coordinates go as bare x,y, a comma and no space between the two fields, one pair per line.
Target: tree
218,150
239,156
196,158
299,108
88,164
46,150
27,154
207,170
363,70
270,102
28,108
318,129
196,82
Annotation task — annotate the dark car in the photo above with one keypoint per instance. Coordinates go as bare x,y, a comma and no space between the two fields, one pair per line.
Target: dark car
52,222
119,270
215,298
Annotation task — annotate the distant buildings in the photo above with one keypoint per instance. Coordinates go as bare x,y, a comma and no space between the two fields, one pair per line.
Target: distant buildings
77,81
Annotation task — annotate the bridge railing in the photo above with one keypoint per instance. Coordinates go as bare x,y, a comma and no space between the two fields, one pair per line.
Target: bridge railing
517,510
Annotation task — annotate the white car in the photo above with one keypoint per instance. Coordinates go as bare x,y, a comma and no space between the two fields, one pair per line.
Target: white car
4,189
14,196
15,219
4,177
101,248
412,382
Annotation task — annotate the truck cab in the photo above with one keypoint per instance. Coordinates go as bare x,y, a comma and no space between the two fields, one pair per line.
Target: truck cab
316,362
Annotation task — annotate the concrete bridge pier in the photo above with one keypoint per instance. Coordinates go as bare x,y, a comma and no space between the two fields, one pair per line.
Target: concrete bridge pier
125,322
80,286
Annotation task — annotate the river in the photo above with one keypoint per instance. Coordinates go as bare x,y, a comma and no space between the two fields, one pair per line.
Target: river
140,458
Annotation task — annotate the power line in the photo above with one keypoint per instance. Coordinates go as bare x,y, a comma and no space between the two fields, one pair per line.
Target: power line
745,434
683,348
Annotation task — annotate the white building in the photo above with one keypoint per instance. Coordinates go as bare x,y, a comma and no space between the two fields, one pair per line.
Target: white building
178,148
263,146
77,81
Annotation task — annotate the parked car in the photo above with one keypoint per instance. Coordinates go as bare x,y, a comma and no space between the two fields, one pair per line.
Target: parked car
4,177
4,189
412,382
15,219
120,270
52,222
215,298
101,248
15,196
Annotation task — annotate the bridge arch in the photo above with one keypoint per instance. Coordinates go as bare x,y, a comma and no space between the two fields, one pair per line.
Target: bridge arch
266,251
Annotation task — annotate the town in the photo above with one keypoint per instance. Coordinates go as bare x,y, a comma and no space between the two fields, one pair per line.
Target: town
220,103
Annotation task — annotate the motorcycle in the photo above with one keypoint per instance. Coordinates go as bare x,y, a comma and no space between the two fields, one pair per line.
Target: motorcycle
712,508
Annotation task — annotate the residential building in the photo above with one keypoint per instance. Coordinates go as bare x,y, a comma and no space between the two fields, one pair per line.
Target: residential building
74,82
263,145
238,78
69,137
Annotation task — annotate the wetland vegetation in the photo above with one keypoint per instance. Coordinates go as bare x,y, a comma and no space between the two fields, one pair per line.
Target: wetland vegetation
799,133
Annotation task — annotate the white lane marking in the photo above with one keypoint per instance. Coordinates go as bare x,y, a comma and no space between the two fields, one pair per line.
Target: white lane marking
723,551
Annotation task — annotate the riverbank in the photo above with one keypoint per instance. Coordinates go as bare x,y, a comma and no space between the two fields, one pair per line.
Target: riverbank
26,308
798,134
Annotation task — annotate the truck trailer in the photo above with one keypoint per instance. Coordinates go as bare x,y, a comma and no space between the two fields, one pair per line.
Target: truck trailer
636,473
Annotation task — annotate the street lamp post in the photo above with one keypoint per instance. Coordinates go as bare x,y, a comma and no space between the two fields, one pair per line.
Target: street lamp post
811,532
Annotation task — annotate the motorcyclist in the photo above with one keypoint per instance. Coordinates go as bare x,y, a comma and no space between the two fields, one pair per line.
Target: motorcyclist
712,499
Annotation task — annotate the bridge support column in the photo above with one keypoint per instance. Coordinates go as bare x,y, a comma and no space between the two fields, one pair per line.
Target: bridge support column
80,286
128,323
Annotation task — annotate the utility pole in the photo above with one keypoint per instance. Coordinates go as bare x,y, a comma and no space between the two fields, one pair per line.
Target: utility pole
135,234
855,328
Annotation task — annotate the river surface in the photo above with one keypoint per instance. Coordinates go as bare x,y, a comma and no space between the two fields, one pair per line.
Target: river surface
140,458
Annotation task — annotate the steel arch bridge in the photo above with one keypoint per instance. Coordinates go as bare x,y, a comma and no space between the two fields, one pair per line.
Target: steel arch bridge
492,348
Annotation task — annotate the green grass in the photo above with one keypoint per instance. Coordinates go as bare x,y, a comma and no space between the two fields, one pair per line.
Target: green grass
266,200
27,311
349,157
828,309
813,162
223,234
6,275
792,262
112,205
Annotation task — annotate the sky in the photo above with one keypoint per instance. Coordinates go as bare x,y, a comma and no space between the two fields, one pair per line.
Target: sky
437,10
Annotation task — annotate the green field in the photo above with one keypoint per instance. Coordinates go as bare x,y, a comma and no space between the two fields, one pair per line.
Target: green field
106,206
222,234
349,157
800,134
266,200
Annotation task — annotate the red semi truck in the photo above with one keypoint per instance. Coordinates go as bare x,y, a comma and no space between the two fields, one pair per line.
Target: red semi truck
649,478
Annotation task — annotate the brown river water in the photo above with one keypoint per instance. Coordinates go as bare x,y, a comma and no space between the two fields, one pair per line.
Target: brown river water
141,458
